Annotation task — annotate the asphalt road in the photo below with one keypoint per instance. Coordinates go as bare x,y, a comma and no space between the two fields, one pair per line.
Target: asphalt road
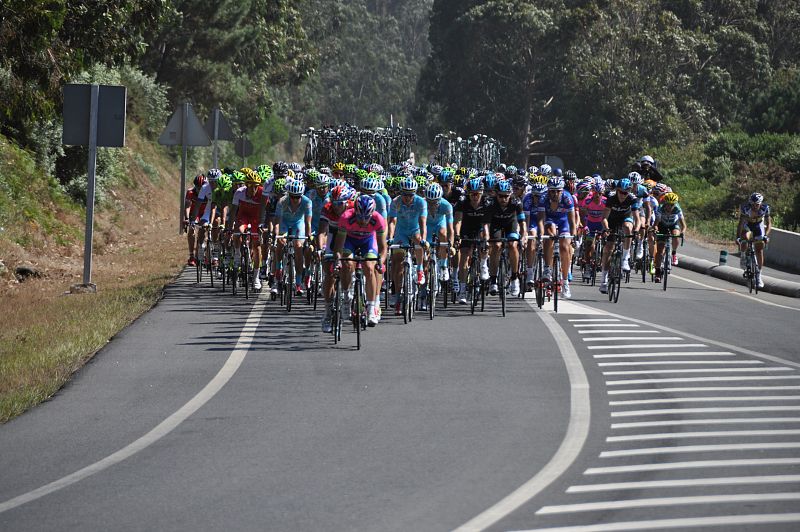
213,412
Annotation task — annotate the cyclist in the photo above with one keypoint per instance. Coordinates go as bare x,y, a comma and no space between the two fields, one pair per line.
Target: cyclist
198,213
293,215
407,225
221,198
592,208
620,205
530,205
557,217
646,166
506,220
471,223
755,221
669,220
642,214
362,231
340,199
372,185
440,225
248,211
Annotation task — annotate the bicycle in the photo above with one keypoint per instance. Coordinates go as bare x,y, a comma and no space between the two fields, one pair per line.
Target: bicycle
539,284
667,264
433,278
752,271
336,306
315,277
556,281
615,267
408,288
286,284
503,271
475,286
241,274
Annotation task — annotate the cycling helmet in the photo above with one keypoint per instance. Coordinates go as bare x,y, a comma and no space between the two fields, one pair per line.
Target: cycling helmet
599,187
374,168
646,159
611,184
519,182
295,167
649,184
250,176
364,207
372,183
361,174
538,188
511,170
503,186
280,169
295,187
756,198
422,180
338,167
462,171
264,171
583,188
501,167
636,178
659,189
545,169
394,169
436,170
224,182
199,180
408,184
555,183
558,172
624,184
322,180
475,185
434,191
446,176
341,193
533,170
278,187
491,181
670,198
311,174
213,174
237,177
570,175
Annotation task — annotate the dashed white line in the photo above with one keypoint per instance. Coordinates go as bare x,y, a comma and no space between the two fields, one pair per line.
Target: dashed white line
688,522
697,370
709,434
695,464
642,346
678,362
668,501
618,338
593,319
682,483
714,410
637,331
698,399
704,379
607,325
667,354
703,389
702,449
716,421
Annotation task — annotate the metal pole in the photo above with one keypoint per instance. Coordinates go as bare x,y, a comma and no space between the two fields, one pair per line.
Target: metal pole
87,246
216,136
184,154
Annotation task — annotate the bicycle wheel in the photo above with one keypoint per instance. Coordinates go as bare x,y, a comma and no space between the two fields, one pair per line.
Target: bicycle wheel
556,278
406,296
288,282
433,281
538,282
233,277
473,285
199,269
501,281
445,286
246,272
209,255
645,261
413,292
336,313
356,314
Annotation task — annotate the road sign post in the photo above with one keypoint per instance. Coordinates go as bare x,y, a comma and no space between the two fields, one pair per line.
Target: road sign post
184,128
105,108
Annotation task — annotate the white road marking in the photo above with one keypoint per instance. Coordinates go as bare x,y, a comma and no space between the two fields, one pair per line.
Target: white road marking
571,444
697,370
213,387
592,319
717,421
696,464
706,399
703,389
667,354
686,522
641,346
668,501
606,325
710,434
622,338
678,362
614,331
705,379
681,483
713,410
734,292
703,448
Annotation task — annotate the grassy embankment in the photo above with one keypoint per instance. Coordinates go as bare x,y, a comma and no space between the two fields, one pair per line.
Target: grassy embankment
46,335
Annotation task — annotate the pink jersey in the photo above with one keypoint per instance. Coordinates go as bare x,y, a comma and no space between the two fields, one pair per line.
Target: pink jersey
594,210
349,224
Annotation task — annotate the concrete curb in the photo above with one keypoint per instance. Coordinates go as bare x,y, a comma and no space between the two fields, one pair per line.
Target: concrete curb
734,275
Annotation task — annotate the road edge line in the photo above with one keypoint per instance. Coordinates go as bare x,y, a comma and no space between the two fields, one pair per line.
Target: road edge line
571,445
169,424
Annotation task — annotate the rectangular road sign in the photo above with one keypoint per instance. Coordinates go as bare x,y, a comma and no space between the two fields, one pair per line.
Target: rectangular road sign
110,115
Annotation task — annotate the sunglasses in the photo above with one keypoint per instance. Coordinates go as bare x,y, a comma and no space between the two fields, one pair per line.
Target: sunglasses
408,194
503,196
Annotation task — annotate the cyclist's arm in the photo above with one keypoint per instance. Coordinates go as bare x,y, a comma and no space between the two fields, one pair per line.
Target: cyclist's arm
767,224
457,216
390,227
381,237
423,227
232,218
541,215
322,233
606,214
338,242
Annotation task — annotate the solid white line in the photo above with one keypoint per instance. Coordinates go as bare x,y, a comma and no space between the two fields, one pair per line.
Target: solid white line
678,362
715,410
571,445
593,319
736,293
606,325
668,354
680,483
703,389
696,370
720,421
706,399
710,434
165,427
685,522
667,501
641,346
619,338
637,331
705,379
697,464
703,448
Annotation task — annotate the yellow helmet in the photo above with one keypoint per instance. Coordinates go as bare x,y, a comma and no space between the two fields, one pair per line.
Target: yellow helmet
251,176
338,167
670,198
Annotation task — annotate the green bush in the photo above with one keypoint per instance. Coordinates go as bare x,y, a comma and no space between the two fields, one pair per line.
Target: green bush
147,100
740,146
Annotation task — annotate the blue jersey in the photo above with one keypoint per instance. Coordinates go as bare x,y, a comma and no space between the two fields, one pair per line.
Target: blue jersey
565,205
408,215
440,217
380,203
317,201
289,218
